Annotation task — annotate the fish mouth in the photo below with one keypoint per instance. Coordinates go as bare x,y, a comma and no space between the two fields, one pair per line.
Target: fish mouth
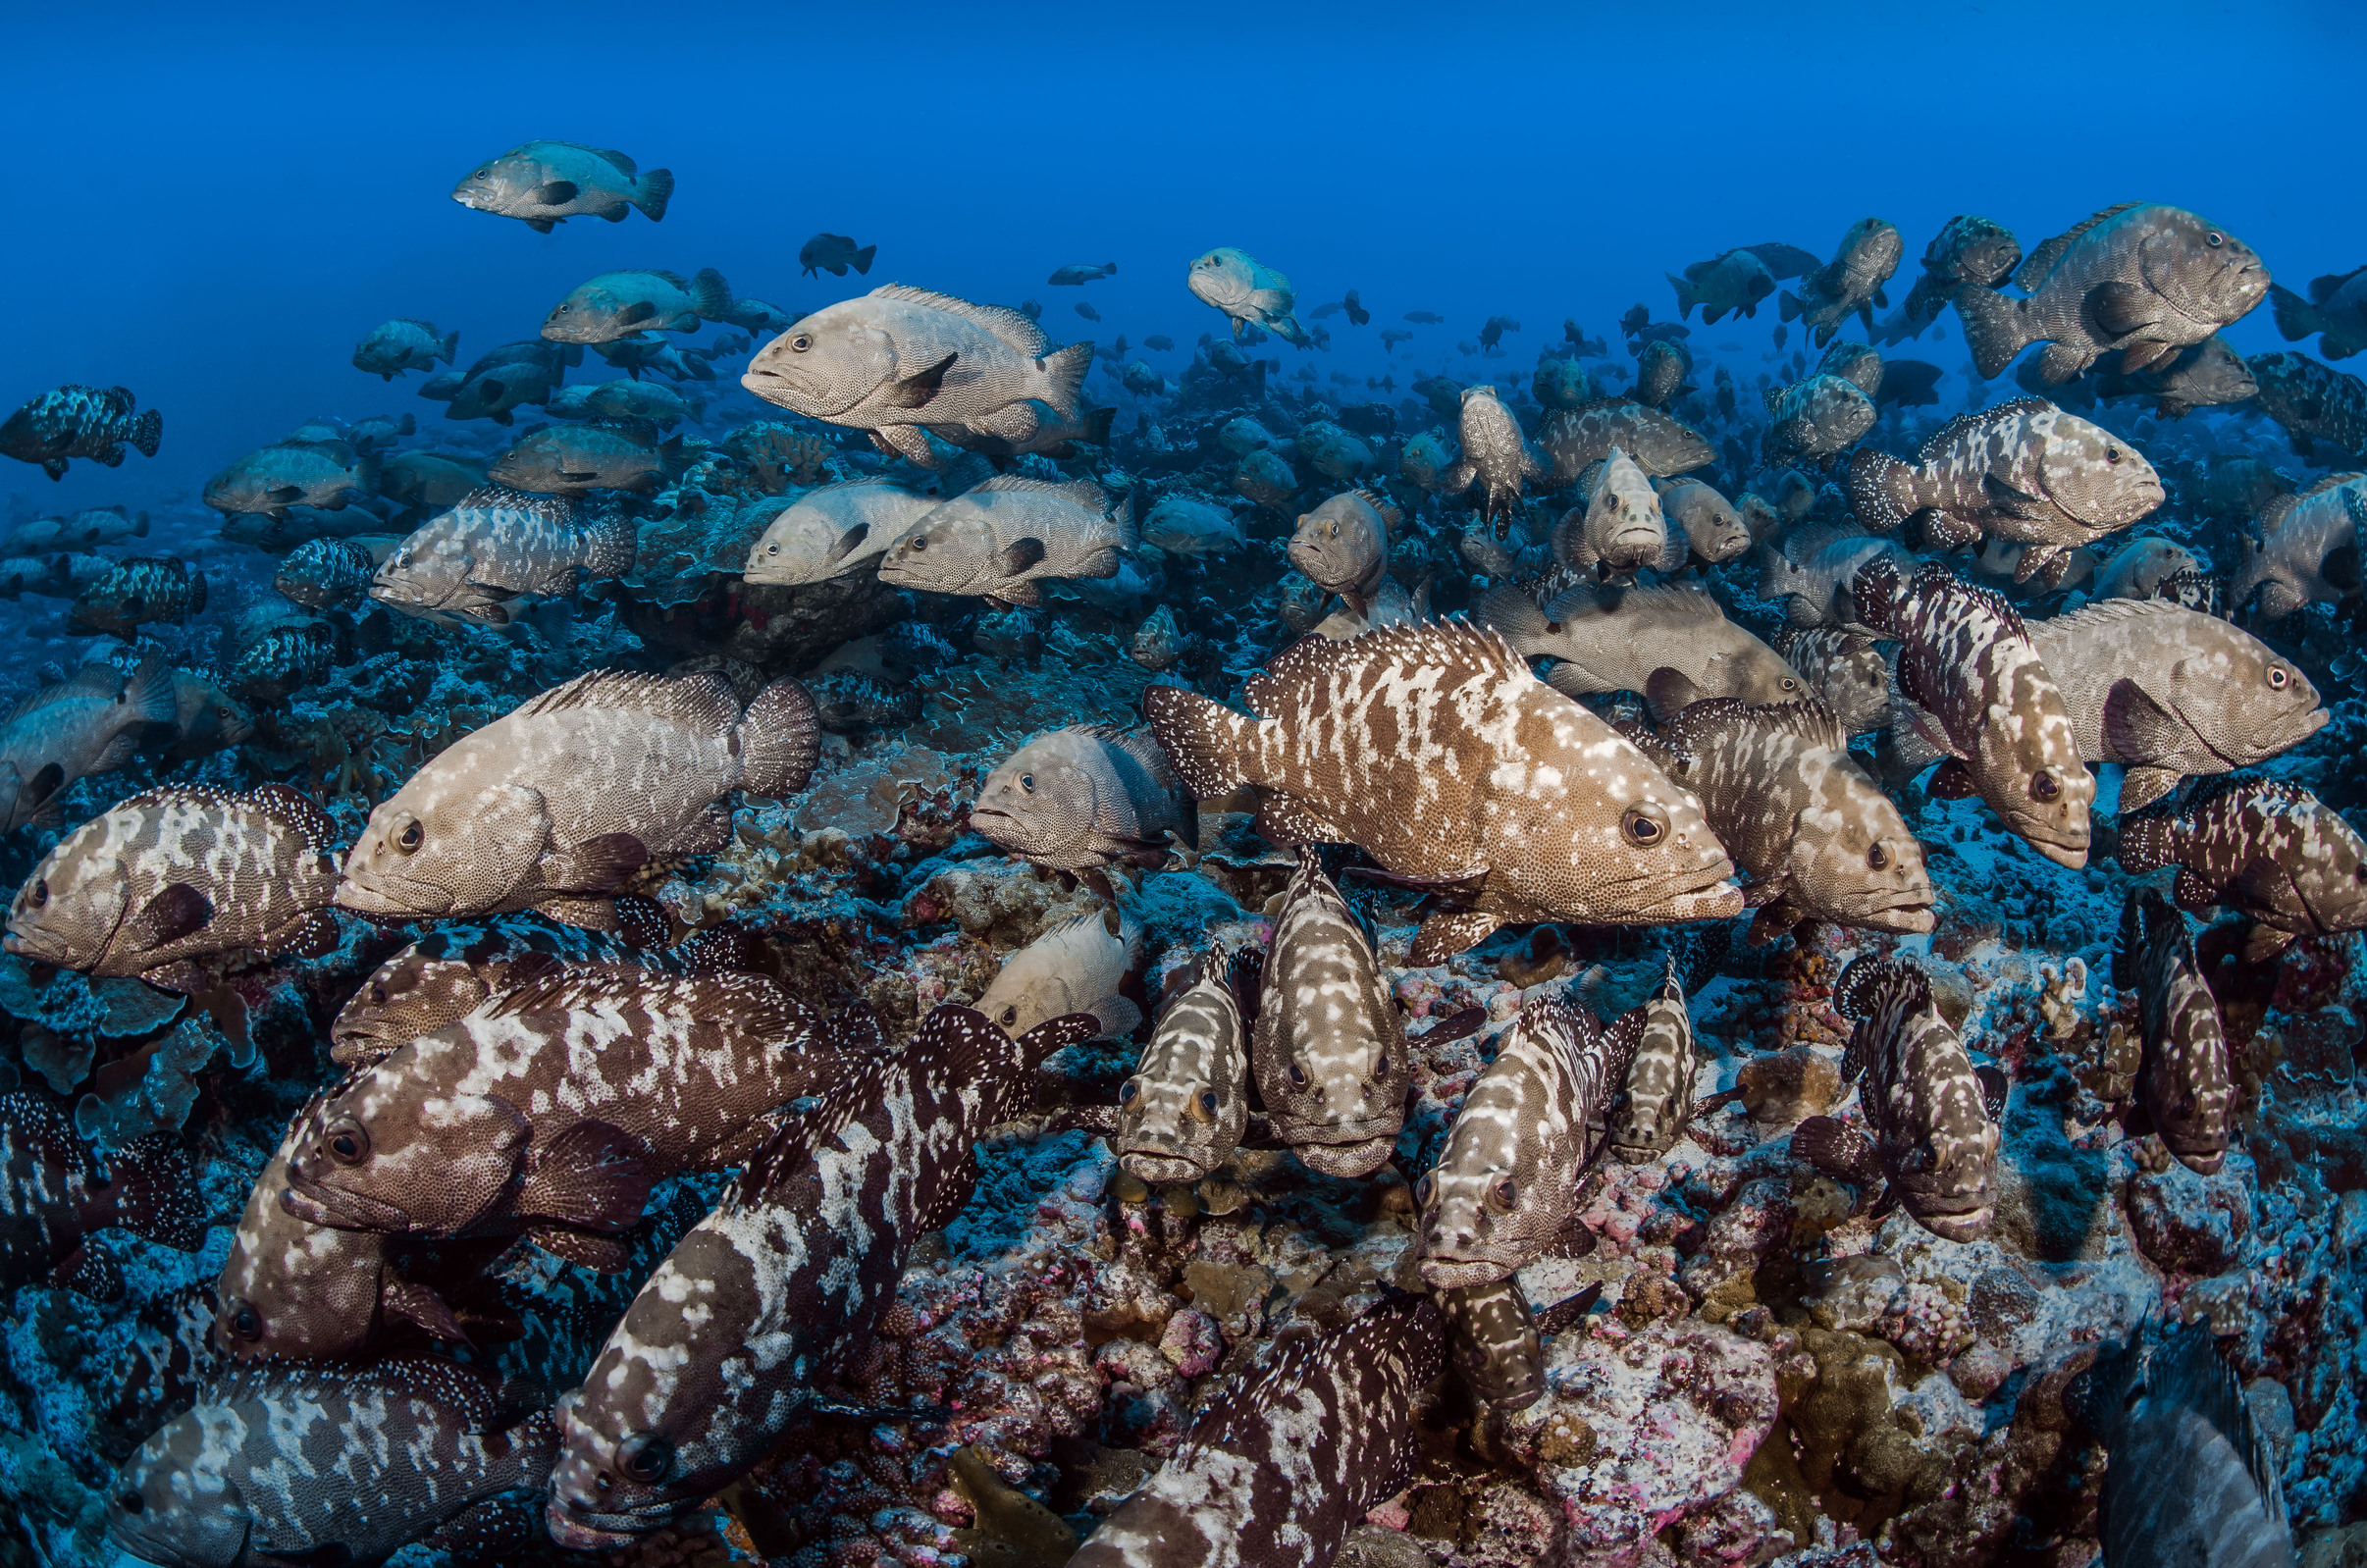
574,1532
795,392
37,946
1956,1225
1907,916
1340,1153
2282,736
319,1203
402,898
2064,852
1161,1167
1453,1273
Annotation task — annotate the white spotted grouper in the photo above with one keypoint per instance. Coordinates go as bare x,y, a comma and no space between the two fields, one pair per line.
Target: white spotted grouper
1435,750
1985,700
1504,1191
1328,1049
553,1109
1279,1468
53,1196
2183,1078
1496,457
1182,1111
1656,1102
2264,847
2190,1476
786,1280
335,1464
1932,1114
181,873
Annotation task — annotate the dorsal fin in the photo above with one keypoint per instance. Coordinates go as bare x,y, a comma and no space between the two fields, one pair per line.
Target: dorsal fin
101,681
2031,274
704,700
1011,326
1936,444
743,1001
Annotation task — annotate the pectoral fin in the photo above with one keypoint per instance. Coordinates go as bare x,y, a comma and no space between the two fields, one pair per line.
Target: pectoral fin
179,911
919,389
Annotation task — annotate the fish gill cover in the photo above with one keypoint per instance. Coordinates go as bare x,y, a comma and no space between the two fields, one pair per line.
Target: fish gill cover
1071,812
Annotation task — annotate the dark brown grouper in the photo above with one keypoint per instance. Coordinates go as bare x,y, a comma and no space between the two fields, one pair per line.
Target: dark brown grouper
2262,847
1435,751
554,1109
180,873
552,806
785,1281
344,1464
1933,1118
1343,545
2182,1080
2169,691
1655,1103
2190,1477
2024,471
1506,1189
2143,277
1817,834
1082,798
1492,1342
1182,1113
1329,1048
1986,700
1281,1467
53,1196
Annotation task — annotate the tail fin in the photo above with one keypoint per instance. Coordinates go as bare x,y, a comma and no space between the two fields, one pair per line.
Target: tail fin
1207,741
657,189
1875,480
611,547
2147,843
711,296
196,593
1993,328
863,259
146,431
572,355
1686,298
1066,372
139,523
153,1193
1097,426
2296,317
366,469
781,740
1787,305
446,350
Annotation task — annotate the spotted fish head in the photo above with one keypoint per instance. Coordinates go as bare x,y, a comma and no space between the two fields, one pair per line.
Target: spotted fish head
1853,857
947,551
1329,1051
1184,1110
1340,544
396,1152
1650,1113
177,1499
2205,274
2095,474
1045,798
411,994
70,910
1509,1174
827,362
291,1287
1492,1342
445,845
2245,703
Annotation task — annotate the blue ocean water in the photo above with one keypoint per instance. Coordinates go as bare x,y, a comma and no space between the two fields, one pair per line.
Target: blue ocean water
212,208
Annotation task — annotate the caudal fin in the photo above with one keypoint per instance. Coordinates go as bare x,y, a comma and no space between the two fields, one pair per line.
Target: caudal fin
1208,742
1686,297
154,1193
612,545
1993,328
146,431
657,189
2296,317
863,259
446,349
781,740
1065,370
2146,844
711,296
196,593
1787,305
1877,486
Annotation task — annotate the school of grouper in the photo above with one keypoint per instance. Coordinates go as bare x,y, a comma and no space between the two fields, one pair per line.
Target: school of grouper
2074,1274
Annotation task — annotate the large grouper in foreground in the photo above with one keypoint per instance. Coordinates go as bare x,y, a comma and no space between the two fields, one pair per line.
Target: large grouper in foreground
1435,751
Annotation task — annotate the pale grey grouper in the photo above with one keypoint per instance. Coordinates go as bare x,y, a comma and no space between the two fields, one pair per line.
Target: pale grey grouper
2143,277
1609,639
2303,549
1933,1118
1329,1047
181,873
542,183
1819,837
2183,1080
1852,281
1184,1110
1279,1468
1085,797
2024,471
554,804
1434,749
344,1464
1506,1189
2191,1475
1617,529
553,1109
1343,545
1002,539
466,566
835,530
2169,691
1249,292
1983,696
897,358
1662,444
1496,457
93,721
1075,966
785,1281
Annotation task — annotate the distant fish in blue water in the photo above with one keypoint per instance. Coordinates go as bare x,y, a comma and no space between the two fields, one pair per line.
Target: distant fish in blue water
394,347
1078,274
834,254
80,422
618,304
1249,292
542,183
1851,283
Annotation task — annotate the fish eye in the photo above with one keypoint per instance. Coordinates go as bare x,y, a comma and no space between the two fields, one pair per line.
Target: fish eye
2112,454
646,1457
1298,1076
1790,684
1128,1090
1027,782
2215,239
1552,628
41,892
1643,827
2277,679
919,542
1010,1016
378,995
1335,530
1422,1188
2044,786
1207,1102
131,1502
800,344
1878,858
348,1141
772,550
409,838
1505,1194
245,1322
